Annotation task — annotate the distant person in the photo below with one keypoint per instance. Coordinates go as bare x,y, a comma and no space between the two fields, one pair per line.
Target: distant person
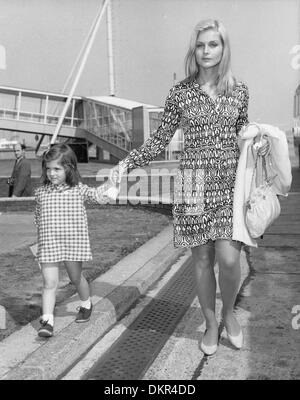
62,226
212,107
20,180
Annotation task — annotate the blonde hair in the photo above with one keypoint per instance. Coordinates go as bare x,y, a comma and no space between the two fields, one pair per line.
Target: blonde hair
225,80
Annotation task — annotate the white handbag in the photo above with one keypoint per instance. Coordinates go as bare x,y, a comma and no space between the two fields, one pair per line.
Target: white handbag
262,207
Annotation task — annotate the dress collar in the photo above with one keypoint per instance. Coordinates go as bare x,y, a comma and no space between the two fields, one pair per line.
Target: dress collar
197,85
58,188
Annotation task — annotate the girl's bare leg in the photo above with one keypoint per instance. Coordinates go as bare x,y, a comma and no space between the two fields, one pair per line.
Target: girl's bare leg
74,269
50,273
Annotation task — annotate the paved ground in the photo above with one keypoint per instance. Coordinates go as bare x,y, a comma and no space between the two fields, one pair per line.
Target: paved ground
17,230
268,308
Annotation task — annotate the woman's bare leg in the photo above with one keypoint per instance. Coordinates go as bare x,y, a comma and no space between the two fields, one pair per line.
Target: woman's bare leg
203,260
228,258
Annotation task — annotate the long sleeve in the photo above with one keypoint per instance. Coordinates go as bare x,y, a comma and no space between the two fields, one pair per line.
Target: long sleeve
243,111
94,195
158,142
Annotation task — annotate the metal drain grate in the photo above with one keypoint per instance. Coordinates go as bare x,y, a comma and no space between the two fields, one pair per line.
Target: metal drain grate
137,348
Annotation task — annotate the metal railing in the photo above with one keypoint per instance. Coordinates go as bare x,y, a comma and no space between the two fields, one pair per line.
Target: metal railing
40,118
45,108
38,100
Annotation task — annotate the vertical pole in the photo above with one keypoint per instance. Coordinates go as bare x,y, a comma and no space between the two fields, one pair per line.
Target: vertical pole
72,114
85,56
146,123
19,105
46,109
110,51
79,55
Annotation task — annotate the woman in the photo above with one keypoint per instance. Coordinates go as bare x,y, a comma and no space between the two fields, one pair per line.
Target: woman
211,107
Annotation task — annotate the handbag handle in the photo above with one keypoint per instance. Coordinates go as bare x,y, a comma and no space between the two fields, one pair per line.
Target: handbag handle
268,179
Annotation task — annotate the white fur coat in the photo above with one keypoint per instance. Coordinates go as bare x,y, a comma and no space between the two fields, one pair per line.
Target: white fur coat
279,158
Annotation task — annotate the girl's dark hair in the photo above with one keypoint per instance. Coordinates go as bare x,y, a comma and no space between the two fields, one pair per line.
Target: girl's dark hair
66,158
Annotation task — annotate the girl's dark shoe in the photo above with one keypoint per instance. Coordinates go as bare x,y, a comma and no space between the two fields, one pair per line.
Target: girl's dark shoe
83,314
46,330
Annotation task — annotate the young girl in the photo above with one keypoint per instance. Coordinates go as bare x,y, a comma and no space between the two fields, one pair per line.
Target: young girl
62,226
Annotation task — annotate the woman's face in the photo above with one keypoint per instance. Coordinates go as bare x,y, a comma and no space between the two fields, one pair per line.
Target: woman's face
209,49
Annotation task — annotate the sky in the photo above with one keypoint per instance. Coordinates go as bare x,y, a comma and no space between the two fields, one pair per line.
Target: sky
42,39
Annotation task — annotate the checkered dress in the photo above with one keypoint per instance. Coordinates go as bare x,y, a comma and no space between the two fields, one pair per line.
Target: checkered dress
61,220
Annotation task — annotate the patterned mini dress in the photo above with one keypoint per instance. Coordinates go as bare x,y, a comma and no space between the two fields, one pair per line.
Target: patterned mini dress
204,185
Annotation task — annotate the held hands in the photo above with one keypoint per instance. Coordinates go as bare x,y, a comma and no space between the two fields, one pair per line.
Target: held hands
115,177
116,174
112,192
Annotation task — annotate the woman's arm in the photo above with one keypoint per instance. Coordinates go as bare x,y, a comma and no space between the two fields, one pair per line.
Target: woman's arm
242,120
158,142
243,110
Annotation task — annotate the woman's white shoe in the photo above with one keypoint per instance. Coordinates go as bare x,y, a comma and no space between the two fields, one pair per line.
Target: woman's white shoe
208,350
236,341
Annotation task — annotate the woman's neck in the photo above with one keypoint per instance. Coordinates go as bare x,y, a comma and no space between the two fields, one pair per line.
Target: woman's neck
208,76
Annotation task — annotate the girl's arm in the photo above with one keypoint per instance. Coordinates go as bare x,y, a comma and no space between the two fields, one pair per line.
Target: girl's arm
95,195
36,215
158,142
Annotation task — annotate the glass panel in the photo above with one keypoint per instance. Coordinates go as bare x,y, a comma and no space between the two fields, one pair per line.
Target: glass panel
109,122
55,107
8,100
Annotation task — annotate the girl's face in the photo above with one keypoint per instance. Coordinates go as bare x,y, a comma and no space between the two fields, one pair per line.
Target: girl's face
55,172
209,49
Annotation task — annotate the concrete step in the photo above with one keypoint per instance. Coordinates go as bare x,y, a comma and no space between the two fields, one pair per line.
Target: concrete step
24,356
